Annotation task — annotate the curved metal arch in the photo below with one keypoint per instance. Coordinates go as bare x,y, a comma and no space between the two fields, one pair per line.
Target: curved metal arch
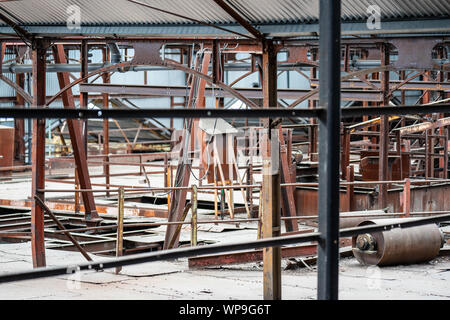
18,89
93,73
167,64
355,74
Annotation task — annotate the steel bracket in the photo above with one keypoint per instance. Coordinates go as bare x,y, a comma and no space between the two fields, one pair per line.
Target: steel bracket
415,53
147,53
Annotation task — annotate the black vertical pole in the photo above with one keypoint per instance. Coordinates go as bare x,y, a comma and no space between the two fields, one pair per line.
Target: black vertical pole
329,129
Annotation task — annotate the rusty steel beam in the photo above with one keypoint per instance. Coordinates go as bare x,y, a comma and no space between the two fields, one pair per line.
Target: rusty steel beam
84,95
61,227
384,131
271,189
394,84
21,32
243,22
249,256
250,93
189,18
183,173
443,122
38,156
19,124
105,100
76,138
287,194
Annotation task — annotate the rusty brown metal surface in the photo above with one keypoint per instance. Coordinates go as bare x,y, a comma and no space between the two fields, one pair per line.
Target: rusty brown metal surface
383,143
398,167
7,138
421,59
76,136
400,246
249,256
271,191
38,156
61,227
67,206
423,198
287,193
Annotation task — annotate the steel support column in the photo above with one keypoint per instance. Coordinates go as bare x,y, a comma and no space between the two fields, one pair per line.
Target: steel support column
106,79
329,128
271,189
38,155
383,169
19,125
84,95
75,132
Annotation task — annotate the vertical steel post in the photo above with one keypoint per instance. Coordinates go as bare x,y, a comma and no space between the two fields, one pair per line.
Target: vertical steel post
119,239
38,155
383,169
445,167
345,157
350,188
105,96
77,194
76,138
407,197
271,179
329,128
19,124
250,190
194,216
84,95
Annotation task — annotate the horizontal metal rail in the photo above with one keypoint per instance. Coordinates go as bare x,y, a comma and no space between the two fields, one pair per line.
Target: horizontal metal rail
209,249
233,221
54,113
238,186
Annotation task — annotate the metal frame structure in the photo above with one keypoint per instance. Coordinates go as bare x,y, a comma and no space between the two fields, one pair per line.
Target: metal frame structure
264,49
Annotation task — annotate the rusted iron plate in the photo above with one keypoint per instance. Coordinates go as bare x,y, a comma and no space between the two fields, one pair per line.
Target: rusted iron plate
248,256
423,198
414,53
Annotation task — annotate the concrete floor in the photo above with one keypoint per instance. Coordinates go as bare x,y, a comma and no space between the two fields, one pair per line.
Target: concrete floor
171,280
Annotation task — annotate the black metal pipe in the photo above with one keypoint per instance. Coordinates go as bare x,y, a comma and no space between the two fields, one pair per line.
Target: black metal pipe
53,113
329,149
209,249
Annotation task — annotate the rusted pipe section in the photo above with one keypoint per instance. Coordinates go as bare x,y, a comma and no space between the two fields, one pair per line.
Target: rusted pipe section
397,246
194,216
119,238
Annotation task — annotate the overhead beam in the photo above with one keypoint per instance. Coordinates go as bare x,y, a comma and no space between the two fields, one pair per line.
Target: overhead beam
250,93
421,27
236,16
189,18
24,34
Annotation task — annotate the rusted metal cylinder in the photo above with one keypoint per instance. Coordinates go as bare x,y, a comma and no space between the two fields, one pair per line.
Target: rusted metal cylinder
397,246
350,222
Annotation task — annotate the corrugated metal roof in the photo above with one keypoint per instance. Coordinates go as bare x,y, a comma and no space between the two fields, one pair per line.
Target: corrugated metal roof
98,12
